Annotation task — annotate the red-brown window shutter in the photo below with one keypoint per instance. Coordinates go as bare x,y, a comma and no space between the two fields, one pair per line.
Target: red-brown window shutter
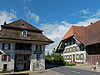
3,45
2,59
8,57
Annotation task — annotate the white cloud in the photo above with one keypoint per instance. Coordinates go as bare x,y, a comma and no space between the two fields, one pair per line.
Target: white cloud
85,11
6,16
32,16
97,14
54,32
57,31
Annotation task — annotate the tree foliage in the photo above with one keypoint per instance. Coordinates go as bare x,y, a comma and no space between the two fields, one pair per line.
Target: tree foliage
54,58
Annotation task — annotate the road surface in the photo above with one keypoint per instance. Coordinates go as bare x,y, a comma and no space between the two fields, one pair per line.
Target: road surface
72,71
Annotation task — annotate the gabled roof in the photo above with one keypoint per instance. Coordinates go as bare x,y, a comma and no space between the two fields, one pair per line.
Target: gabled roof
87,35
76,31
13,31
21,24
93,33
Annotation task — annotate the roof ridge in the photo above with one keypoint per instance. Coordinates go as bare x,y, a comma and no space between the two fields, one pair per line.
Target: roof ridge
93,23
18,24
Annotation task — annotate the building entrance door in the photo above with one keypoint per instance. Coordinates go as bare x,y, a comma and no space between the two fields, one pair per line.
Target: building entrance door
4,67
74,58
22,62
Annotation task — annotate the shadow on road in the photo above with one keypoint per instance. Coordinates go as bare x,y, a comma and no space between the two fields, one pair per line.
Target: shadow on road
48,66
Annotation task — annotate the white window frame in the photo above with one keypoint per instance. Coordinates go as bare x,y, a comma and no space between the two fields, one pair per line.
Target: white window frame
25,33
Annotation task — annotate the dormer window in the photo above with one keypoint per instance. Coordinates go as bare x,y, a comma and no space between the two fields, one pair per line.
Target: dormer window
24,33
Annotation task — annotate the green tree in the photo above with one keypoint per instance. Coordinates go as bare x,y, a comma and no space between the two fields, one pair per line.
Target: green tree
55,58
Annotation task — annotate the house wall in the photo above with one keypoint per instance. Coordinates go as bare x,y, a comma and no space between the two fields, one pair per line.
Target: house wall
10,64
33,58
34,62
73,52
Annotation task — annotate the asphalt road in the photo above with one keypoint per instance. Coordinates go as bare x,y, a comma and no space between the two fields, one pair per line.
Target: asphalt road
72,71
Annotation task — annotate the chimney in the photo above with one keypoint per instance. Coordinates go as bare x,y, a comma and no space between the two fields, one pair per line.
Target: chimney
5,23
82,26
91,23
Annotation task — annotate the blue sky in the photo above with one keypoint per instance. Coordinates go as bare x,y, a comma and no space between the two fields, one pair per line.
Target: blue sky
55,17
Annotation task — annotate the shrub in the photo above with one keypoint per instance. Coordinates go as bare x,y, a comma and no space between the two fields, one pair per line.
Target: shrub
70,64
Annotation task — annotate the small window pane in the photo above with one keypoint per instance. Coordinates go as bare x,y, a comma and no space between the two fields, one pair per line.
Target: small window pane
5,57
77,56
82,56
70,56
6,46
73,48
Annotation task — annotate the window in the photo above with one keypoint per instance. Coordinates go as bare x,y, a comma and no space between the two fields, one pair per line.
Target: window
38,47
67,49
78,48
6,46
70,49
73,48
77,56
70,56
72,42
64,50
5,58
82,56
65,44
68,43
41,47
67,57
82,47
24,33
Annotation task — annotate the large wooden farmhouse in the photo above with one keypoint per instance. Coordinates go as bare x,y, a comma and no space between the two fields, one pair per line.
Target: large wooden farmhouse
22,47
81,44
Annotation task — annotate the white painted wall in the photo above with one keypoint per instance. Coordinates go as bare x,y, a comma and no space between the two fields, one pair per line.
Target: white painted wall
10,64
33,58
